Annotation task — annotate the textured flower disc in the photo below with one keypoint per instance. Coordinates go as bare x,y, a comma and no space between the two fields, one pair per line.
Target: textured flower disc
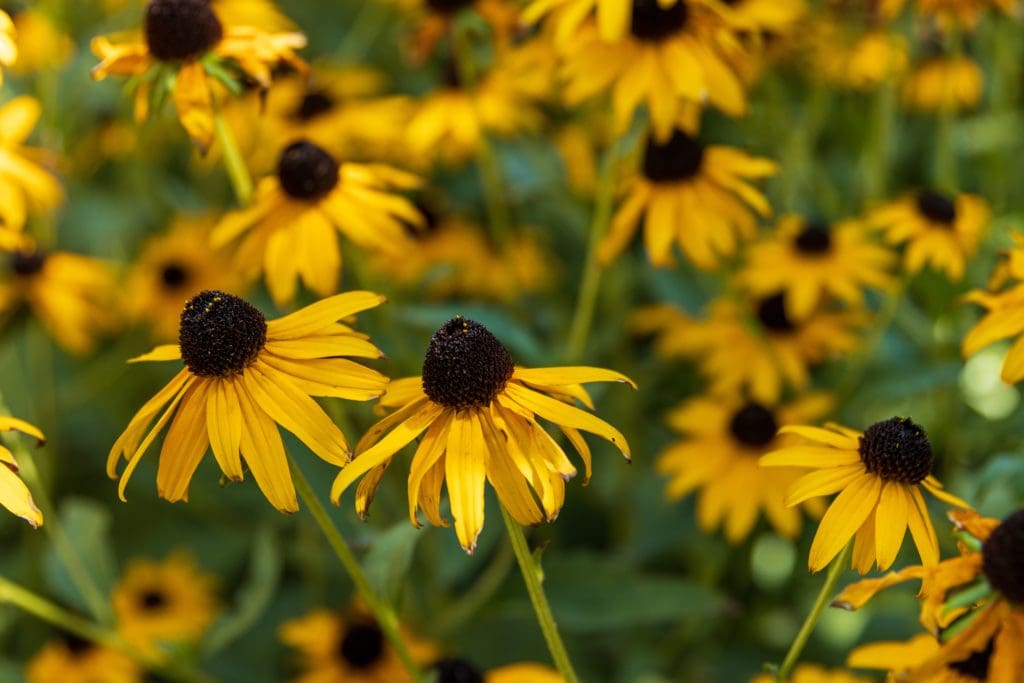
897,449
220,334
177,30
457,671
465,365
173,276
315,103
362,645
753,425
27,263
677,159
1003,555
652,22
306,171
814,239
937,207
975,667
771,311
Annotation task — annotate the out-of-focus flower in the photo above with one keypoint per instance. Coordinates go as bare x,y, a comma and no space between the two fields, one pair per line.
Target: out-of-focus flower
24,185
480,414
263,14
942,83
243,377
14,495
852,58
73,660
41,43
814,673
615,18
435,19
8,42
451,670
765,17
1004,313
950,14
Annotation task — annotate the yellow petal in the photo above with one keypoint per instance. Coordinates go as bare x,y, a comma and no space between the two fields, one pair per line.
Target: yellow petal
890,523
556,377
160,353
184,446
842,520
224,426
322,314
465,474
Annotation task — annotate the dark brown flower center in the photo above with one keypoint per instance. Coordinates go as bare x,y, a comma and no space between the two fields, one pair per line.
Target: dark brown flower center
220,334
307,171
457,671
679,158
897,449
1003,556
153,599
177,30
771,311
976,665
315,103
937,207
465,366
362,645
27,263
753,425
173,276
652,22
449,7
76,645
815,239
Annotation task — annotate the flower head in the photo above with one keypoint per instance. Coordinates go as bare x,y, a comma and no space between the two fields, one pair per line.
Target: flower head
455,670
25,185
70,659
941,83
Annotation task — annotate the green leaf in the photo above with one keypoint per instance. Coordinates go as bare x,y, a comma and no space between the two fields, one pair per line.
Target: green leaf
387,563
87,526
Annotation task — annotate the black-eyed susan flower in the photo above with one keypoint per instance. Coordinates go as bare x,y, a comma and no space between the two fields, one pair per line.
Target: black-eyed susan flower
243,377
811,262
1004,314
71,295
171,269
878,475
938,229
72,660
350,647
290,231
186,52
673,57
263,14
814,673
14,495
455,670
8,42
24,184
765,17
845,54
42,44
435,20
614,17
166,603
897,657
718,451
950,14
944,83
699,196
479,412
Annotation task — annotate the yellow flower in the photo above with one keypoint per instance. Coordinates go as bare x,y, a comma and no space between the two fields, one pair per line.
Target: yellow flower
699,196
774,17
614,17
896,657
811,262
171,269
673,57
480,414
8,43
41,43
452,670
1003,317
348,647
435,20
14,495
164,603
188,53
289,232
939,230
941,83
813,673
24,184
72,295
853,59
950,14
722,438
878,475
72,660
243,376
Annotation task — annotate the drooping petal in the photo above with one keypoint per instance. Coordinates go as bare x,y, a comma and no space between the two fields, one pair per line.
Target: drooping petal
224,426
465,475
842,520
184,446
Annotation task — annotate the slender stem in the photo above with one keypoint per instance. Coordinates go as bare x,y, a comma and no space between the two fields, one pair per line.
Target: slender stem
238,172
532,578
382,612
945,148
876,163
828,589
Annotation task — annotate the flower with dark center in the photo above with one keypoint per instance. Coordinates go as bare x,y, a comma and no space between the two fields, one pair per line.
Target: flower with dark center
679,158
1003,555
314,104
753,425
220,334
153,599
306,171
362,645
27,263
771,311
178,30
897,449
457,671
465,365
76,646
652,22
815,238
449,7
174,276
937,207
976,665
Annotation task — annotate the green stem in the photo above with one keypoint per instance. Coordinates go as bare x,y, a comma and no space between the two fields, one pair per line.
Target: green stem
876,164
532,578
385,616
945,149
824,598
238,172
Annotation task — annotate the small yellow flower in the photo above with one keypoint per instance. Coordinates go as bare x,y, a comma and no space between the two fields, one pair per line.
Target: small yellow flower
8,43
614,17
72,660
1004,314
41,43
853,58
941,83
24,185
950,14
814,673
14,495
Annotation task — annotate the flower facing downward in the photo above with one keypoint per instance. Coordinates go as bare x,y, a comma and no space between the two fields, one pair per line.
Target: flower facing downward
243,376
878,475
14,495
479,412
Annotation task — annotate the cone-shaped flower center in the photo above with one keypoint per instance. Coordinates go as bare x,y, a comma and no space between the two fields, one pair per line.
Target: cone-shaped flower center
652,22
677,159
771,311
220,334
897,449
362,645
448,6
753,425
457,671
937,207
306,171
173,276
815,238
465,366
27,263
152,599
1003,555
314,104
975,667
177,30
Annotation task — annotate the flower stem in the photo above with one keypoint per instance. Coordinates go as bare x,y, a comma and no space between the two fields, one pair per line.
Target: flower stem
828,589
945,147
382,612
238,172
532,578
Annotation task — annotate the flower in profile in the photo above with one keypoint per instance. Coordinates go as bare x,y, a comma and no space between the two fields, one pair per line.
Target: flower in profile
811,261
455,670
24,185
938,229
164,603
350,647
71,295
480,414
70,659
943,83
8,42
699,196
878,475
243,377
1004,313
14,495
814,673
722,439
186,52
290,231
898,657
841,52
